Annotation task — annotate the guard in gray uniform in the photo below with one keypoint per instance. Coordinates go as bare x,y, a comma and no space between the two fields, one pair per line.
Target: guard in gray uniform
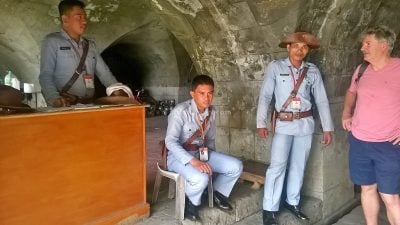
291,142
190,141
61,53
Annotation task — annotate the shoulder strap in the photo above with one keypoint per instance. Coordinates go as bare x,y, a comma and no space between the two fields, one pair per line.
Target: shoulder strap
198,132
188,142
295,89
78,70
362,69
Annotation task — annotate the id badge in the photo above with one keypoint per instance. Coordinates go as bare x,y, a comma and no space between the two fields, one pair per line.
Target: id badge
88,81
296,103
203,152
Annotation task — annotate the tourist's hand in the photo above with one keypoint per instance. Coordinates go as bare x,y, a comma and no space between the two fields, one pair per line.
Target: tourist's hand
201,166
346,122
262,132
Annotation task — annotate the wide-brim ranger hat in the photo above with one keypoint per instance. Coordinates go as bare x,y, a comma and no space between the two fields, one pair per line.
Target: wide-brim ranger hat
300,37
11,101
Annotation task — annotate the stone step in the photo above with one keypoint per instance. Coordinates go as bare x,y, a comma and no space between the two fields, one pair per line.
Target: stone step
247,204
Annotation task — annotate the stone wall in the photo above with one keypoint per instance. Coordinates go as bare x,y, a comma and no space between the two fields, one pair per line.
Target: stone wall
232,40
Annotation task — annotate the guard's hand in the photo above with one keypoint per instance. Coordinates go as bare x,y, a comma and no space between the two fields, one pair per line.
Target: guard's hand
201,166
262,132
346,122
327,138
61,102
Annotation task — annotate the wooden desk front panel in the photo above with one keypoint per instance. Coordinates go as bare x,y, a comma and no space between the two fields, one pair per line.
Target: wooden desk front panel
84,167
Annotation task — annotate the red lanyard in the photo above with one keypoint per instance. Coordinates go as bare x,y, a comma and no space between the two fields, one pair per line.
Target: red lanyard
202,127
294,79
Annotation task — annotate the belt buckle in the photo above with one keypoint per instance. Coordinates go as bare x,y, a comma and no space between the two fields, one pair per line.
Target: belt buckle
296,115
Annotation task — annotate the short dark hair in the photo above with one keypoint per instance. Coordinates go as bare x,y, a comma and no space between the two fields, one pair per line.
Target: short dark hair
66,5
202,79
383,33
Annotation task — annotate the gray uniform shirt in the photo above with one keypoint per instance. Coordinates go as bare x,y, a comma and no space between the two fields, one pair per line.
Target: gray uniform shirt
60,56
278,80
182,123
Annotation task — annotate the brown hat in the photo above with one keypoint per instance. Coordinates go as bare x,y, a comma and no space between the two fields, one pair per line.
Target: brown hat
302,37
11,101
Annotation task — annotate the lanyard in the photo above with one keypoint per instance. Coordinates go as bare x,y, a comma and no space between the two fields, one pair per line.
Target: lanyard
292,75
202,127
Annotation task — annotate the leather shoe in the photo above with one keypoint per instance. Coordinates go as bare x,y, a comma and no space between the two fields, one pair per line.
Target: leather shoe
269,218
221,201
295,210
191,211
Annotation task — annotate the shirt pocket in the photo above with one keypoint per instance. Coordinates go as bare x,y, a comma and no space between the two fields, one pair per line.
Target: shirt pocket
189,129
91,61
66,61
284,80
65,54
305,86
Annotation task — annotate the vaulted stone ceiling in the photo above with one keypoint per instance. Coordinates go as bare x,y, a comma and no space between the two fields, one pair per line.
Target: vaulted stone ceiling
165,42
227,38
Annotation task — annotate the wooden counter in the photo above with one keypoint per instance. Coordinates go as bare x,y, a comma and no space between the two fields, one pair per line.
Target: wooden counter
77,167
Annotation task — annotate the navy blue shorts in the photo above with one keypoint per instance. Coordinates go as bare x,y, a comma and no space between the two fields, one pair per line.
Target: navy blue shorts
375,162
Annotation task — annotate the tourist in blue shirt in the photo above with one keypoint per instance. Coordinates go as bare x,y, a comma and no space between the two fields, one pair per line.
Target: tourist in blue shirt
291,142
60,56
186,155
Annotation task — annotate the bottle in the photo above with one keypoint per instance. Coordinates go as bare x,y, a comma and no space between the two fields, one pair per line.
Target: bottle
15,83
11,80
7,78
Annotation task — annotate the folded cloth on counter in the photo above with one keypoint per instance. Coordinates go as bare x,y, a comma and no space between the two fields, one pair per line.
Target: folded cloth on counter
119,86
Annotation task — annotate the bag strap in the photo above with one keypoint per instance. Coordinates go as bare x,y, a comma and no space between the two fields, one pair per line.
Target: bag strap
362,69
197,132
293,93
78,70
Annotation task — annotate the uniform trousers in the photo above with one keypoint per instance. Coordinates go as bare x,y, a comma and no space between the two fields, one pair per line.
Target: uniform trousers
288,152
226,170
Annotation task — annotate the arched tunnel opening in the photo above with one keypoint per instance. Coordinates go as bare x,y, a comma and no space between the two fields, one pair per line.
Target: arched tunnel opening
124,61
156,66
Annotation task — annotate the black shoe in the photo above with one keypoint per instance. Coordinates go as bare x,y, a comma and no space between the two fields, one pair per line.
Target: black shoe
295,210
221,201
269,218
204,196
191,211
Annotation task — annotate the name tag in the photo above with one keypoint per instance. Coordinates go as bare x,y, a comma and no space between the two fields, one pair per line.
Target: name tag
296,103
89,83
65,48
203,152
284,74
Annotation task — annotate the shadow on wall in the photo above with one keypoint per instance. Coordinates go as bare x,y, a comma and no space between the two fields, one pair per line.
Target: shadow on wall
125,63
157,63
